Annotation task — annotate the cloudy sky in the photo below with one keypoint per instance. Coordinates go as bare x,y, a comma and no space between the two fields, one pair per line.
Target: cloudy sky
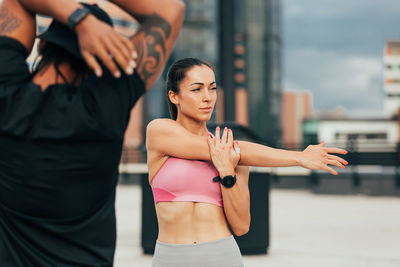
334,49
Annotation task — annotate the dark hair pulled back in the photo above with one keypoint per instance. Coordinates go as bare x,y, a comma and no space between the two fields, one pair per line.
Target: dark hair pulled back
176,73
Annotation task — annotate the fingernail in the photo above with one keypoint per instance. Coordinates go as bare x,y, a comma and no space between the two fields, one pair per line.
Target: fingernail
98,73
346,162
129,70
237,142
117,74
217,127
208,134
132,63
346,152
134,54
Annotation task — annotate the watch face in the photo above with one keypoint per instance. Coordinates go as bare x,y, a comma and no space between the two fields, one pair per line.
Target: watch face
229,181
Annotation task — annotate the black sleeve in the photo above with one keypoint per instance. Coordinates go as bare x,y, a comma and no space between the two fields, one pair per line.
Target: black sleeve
18,100
13,66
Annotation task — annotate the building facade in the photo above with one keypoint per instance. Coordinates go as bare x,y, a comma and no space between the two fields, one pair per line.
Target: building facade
256,59
296,107
391,74
359,135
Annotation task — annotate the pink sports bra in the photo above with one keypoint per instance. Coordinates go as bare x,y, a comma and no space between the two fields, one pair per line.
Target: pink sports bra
186,180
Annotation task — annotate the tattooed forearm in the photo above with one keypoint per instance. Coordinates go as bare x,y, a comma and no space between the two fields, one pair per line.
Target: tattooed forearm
150,42
8,21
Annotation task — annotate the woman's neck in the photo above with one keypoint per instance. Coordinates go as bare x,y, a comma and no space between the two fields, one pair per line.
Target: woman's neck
193,126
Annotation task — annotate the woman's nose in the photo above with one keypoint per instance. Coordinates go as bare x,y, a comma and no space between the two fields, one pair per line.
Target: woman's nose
206,95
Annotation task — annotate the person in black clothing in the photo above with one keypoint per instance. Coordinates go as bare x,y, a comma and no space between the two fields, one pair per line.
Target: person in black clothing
62,126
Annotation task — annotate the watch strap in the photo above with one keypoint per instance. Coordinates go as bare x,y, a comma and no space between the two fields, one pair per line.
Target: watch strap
77,16
216,179
223,180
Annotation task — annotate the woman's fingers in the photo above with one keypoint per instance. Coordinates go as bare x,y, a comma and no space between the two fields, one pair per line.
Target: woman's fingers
210,142
230,138
236,147
224,138
330,170
333,157
335,150
335,163
217,135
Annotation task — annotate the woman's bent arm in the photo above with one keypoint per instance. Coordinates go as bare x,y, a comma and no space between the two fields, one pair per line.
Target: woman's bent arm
224,156
237,202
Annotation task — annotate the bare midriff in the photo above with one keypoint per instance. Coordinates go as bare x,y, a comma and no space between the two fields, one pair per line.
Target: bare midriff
190,222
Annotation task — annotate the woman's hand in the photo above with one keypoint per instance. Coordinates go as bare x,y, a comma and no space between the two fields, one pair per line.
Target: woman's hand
98,39
317,157
225,154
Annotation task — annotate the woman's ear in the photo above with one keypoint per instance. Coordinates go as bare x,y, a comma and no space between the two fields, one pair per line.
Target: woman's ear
173,97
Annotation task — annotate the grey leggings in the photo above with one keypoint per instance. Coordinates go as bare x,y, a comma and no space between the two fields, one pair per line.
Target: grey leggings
217,253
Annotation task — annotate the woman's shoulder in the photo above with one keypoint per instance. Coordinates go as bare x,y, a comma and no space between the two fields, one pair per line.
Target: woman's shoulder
157,125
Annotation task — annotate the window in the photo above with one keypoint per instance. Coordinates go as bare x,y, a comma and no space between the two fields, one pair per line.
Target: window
354,136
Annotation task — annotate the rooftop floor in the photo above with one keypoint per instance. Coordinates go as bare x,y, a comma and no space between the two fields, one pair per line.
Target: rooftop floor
307,230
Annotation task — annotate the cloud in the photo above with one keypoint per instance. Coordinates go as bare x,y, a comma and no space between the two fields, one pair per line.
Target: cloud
335,50
356,26
336,80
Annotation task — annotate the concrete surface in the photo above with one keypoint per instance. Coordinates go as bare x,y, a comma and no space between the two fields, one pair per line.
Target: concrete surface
307,230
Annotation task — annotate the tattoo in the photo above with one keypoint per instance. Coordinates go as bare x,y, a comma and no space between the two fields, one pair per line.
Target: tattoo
151,45
8,21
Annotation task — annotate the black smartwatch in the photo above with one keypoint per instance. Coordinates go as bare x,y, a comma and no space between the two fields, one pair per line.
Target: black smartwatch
77,16
228,181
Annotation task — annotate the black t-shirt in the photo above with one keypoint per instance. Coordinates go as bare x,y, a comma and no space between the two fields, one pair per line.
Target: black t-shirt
59,155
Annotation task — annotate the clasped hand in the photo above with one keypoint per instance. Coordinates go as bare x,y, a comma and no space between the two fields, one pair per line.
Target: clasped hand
98,39
223,152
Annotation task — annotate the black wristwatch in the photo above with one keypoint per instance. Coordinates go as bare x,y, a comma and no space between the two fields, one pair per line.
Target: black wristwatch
228,181
77,16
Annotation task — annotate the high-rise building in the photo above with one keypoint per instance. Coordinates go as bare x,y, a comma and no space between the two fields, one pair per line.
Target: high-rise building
391,74
256,57
296,106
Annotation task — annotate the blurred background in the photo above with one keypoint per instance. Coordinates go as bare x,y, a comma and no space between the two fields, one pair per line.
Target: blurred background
292,73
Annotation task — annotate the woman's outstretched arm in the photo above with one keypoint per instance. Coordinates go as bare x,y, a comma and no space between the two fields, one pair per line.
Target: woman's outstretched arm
166,137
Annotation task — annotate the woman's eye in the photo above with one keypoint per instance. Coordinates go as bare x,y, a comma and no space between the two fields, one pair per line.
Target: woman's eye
214,88
197,89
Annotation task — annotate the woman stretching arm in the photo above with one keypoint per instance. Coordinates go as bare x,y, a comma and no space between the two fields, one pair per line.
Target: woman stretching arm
194,198
191,146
